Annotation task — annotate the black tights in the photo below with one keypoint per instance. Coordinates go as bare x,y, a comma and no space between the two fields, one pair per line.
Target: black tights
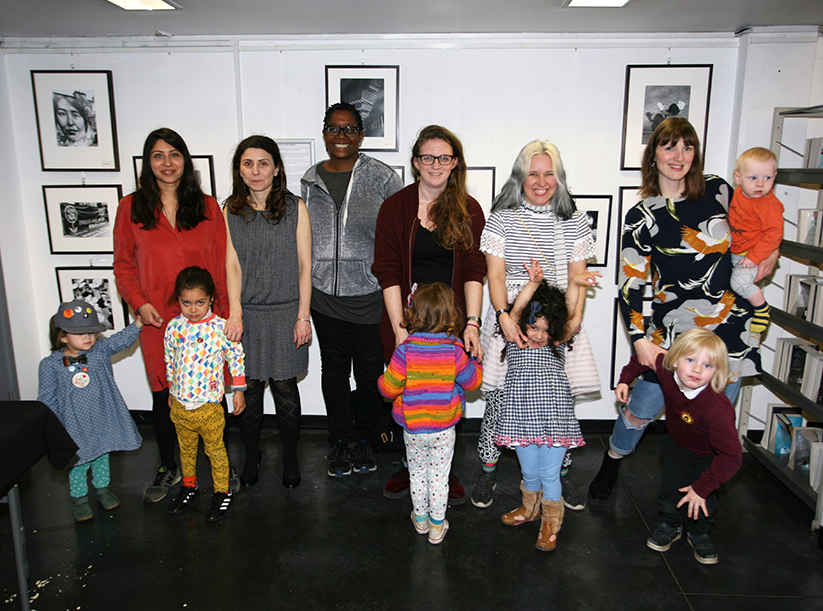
289,417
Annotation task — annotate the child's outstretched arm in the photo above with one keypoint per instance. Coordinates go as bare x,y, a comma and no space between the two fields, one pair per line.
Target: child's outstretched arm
527,292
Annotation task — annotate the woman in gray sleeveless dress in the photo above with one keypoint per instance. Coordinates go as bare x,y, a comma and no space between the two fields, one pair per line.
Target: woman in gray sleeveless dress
269,282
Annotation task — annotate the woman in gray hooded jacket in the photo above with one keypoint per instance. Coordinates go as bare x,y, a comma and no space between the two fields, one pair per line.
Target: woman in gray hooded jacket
344,195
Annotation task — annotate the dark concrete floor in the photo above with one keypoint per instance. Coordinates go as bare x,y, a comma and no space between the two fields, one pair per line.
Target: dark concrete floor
339,544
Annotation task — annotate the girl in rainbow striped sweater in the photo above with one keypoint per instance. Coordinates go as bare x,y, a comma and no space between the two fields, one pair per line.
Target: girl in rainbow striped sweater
427,378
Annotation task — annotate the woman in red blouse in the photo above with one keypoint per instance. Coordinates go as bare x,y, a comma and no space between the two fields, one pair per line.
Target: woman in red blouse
168,224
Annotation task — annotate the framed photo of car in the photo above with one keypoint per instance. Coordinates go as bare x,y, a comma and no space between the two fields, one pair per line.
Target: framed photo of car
80,218
96,286
75,120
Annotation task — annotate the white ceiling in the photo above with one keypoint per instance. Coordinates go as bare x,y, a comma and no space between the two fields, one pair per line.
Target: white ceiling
80,18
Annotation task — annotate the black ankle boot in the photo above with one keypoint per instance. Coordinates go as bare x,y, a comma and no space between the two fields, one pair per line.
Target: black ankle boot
291,472
601,487
251,471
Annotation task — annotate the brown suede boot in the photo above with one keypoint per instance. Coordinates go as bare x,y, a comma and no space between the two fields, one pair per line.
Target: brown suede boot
527,512
550,524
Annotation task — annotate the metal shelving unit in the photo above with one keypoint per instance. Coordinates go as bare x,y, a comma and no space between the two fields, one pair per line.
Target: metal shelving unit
796,481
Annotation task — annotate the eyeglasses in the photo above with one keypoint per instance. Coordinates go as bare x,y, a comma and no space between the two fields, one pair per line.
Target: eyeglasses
349,130
429,159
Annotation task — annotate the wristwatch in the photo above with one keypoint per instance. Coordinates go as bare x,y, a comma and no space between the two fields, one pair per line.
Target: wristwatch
475,319
501,311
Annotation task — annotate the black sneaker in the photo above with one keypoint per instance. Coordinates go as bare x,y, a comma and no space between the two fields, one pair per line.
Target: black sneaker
483,492
362,454
184,498
165,479
704,551
572,498
662,539
219,506
339,461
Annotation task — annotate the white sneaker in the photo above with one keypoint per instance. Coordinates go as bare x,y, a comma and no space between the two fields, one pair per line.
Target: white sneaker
421,527
437,532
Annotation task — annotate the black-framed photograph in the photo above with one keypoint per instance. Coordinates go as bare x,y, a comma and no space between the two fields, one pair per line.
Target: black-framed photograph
657,92
95,286
375,92
621,345
75,120
80,218
598,210
203,169
480,185
627,197
401,172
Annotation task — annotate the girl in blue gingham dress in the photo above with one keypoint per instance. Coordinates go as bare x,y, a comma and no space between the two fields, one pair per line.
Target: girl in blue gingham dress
538,418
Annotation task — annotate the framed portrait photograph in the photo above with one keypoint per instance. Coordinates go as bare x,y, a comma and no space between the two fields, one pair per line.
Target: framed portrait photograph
96,286
480,185
75,120
298,156
621,345
80,218
657,92
374,91
598,209
203,169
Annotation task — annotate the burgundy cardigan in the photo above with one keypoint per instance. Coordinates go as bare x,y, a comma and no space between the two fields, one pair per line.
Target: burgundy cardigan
394,245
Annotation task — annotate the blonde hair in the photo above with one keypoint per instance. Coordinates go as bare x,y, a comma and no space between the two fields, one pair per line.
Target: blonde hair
757,153
694,341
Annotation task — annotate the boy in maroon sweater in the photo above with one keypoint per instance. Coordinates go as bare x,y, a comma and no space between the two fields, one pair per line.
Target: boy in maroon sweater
701,449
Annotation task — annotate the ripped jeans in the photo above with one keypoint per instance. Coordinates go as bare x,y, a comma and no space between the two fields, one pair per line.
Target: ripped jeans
645,402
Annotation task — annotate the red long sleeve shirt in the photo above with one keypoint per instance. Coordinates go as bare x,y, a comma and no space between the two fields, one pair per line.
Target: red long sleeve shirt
703,425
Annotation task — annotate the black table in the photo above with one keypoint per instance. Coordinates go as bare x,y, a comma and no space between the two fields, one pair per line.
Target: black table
28,431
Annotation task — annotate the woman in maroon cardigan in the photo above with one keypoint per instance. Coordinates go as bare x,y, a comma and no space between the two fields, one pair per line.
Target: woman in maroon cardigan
430,232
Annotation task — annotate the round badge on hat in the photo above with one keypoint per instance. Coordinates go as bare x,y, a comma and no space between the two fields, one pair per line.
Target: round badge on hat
78,317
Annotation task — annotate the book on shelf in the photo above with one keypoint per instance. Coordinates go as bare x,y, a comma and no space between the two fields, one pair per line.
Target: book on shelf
771,410
798,287
798,355
802,438
783,350
812,377
816,465
781,432
808,226
813,157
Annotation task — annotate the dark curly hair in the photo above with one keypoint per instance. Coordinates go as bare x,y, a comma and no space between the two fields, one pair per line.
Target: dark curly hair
238,201
553,309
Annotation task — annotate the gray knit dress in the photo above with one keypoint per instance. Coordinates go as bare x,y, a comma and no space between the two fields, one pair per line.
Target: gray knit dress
270,294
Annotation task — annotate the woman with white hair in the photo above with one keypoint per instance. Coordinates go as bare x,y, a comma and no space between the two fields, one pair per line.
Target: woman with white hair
534,216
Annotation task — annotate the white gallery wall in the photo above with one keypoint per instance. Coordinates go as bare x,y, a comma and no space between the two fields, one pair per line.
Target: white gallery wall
495,92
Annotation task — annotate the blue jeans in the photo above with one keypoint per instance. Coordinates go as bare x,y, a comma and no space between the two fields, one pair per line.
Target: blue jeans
540,467
645,403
